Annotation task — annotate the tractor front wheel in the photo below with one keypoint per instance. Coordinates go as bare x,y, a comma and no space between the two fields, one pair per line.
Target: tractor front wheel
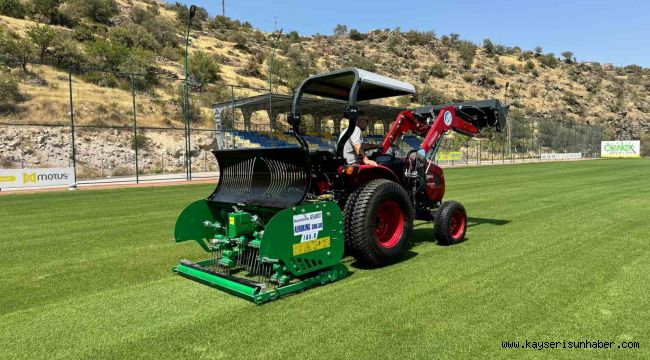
378,222
450,223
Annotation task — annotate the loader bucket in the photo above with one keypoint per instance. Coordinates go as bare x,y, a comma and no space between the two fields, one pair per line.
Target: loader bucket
481,113
268,177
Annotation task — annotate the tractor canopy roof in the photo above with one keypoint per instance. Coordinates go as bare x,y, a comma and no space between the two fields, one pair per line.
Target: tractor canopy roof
352,84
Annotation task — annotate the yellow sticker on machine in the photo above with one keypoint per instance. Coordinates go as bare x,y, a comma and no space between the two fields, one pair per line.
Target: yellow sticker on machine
232,220
311,245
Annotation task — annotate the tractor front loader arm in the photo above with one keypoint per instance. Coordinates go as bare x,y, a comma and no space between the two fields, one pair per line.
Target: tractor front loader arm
406,121
445,120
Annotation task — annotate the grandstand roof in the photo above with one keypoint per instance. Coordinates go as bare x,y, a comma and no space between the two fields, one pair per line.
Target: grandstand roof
308,106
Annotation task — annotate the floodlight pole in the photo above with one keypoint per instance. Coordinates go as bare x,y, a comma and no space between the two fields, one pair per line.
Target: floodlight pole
275,45
135,131
186,101
505,100
72,129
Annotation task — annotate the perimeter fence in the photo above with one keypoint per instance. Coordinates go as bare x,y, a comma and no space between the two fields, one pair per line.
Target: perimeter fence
114,127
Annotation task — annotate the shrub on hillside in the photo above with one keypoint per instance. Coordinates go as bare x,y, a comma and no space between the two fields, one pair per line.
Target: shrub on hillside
48,12
163,30
419,38
502,69
526,55
530,65
299,64
225,23
570,98
548,60
12,8
438,70
172,53
140,15
361,62
293,37
240,40
356,35
99,10
9,94
340,30
486,80
431,96
101,78
466,50
140,142
141,63
83,33
252,66
134,36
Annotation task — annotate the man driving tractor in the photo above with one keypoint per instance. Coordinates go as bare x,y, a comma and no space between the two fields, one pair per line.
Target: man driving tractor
354,150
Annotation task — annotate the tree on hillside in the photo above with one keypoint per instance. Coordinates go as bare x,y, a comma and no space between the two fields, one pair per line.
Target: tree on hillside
65,51
488,46
204,69
106,54
567,55
139,61
16,48
183,12
340,30
538,50
42,37
12,8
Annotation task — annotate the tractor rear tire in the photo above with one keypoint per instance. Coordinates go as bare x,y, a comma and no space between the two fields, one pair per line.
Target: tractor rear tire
378,223
450,223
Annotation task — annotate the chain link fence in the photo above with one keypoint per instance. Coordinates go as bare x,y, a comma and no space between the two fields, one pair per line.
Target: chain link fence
117,127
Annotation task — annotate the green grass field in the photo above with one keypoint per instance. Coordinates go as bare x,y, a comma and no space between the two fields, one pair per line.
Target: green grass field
555,252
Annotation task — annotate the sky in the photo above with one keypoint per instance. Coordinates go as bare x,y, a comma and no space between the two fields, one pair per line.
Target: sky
615,32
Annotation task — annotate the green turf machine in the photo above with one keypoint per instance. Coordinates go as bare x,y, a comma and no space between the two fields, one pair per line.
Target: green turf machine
264,239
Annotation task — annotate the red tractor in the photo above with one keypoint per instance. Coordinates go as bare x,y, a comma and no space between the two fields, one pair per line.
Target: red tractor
380,202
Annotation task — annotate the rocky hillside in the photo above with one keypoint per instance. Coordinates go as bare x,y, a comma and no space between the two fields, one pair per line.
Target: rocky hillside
146,37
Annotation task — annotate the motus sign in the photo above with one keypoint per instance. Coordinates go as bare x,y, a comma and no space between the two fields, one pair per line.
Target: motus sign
18,178
620,148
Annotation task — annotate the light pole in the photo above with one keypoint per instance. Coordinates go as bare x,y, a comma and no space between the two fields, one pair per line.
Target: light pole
275,45
186,100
